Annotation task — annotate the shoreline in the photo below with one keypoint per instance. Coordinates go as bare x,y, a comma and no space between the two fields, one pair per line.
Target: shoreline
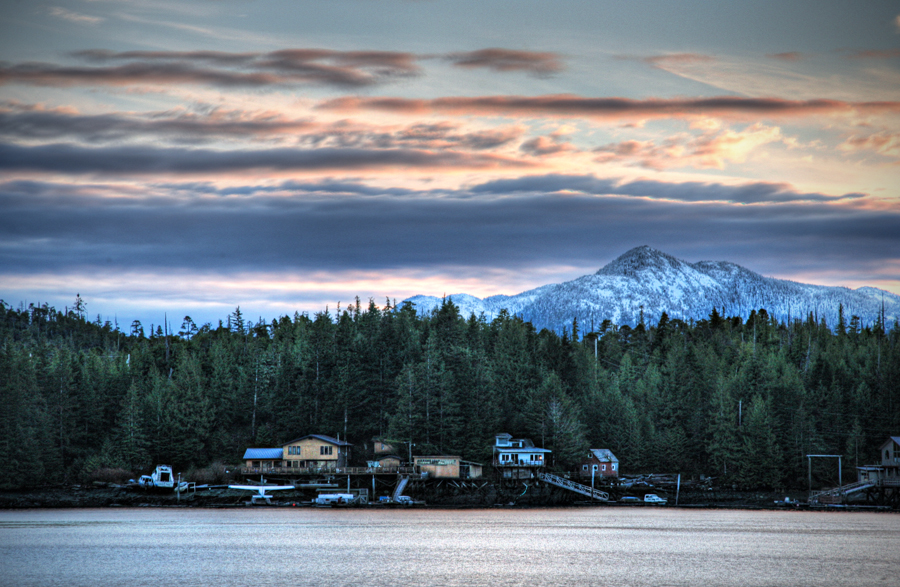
83,497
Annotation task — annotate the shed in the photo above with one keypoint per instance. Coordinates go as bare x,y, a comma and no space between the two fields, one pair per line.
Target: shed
438,466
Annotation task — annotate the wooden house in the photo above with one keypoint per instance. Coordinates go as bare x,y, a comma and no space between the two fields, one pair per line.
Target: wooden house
518,452
888,472
316,451
601,462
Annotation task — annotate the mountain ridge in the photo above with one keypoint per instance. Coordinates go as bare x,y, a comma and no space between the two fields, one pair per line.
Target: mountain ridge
644,280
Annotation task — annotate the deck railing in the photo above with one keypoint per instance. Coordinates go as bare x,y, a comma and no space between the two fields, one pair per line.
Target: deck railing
519,463
306,471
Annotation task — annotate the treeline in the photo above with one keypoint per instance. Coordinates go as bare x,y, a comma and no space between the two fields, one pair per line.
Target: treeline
741,401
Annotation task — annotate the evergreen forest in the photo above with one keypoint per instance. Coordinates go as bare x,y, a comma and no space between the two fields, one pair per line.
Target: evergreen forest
740,401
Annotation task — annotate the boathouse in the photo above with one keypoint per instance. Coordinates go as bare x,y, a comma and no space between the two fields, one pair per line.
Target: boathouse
447,467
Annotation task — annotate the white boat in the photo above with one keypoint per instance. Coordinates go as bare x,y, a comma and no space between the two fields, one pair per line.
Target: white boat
162,478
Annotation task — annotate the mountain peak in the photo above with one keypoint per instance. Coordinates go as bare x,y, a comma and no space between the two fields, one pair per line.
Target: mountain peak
639,259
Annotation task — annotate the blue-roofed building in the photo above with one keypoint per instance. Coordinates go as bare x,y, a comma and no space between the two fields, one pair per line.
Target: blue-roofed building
263,458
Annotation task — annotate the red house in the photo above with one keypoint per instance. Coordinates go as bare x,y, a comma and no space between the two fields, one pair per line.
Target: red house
601,462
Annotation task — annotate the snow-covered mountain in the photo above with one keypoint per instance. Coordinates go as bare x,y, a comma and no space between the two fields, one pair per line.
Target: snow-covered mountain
661,283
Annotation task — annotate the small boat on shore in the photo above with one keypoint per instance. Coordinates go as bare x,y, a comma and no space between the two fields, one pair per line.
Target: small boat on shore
161,478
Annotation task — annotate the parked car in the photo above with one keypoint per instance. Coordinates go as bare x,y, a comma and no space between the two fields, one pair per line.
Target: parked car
629,499
404,500
653,498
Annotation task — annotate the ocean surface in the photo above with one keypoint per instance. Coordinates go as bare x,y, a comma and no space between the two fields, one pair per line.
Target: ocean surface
570,547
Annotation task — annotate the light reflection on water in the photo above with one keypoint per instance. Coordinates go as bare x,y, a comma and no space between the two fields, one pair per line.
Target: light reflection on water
504,547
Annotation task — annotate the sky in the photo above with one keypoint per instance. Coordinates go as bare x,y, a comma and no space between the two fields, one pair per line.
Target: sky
174,158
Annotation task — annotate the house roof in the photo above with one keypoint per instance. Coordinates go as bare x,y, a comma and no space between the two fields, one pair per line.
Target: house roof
604,455
322,437
896,440
264,453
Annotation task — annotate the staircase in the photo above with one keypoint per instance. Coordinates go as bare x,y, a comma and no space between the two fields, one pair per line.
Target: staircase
836,495
401,485
572,486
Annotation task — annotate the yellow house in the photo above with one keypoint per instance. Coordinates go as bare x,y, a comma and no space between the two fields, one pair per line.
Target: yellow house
316,450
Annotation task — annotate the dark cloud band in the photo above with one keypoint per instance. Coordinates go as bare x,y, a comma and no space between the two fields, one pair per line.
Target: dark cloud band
64,158
566,105
54,227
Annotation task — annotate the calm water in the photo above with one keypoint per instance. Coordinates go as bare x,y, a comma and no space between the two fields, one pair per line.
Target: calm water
571,547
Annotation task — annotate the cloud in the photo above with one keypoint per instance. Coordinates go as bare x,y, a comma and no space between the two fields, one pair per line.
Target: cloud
35,122
509,60
440,135
875,54
126,160
284,67
789,56
884,143
43,230
660,61
542,146
570,106
29,122
710,149
64,14
748,193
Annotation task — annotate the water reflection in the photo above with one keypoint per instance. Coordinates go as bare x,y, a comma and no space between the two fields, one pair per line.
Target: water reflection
504,547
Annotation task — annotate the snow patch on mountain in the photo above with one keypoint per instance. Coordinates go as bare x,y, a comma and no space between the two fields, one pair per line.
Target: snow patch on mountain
649,282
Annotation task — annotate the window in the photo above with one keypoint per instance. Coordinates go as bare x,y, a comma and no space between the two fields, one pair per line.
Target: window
614,466
584,467
325,450
603,468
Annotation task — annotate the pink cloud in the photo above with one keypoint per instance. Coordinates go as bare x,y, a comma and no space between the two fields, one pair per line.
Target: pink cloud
567,105
712,149
509,60
883,143
543,146
789,56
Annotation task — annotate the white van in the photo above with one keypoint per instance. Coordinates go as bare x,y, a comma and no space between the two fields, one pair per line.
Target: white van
334,499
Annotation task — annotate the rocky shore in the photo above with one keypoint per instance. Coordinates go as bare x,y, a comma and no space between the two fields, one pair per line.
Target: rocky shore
109,495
